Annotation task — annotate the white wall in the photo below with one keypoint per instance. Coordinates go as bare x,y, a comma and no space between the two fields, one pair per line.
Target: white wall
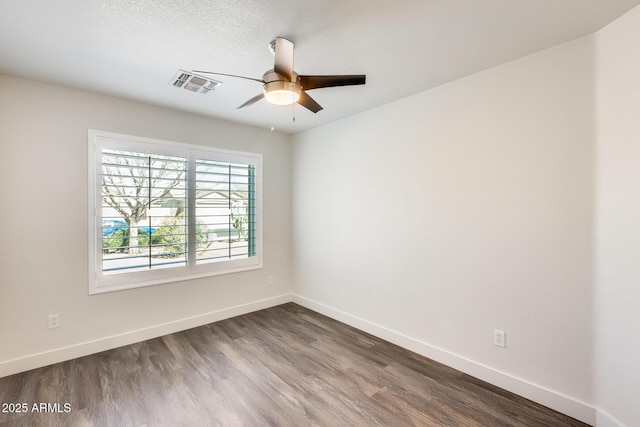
43,169
465,208
617,315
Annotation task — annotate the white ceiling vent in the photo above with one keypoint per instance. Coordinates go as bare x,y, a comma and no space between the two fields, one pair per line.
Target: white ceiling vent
193,82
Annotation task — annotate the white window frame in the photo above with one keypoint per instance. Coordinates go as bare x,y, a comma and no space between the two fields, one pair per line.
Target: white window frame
99,282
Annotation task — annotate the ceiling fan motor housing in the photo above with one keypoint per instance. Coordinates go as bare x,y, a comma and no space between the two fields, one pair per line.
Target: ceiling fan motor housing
278,90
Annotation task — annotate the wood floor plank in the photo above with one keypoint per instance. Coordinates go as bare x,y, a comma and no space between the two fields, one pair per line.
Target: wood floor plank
283,366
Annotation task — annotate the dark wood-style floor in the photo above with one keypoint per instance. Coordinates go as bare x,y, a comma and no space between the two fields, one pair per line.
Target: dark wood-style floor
284,366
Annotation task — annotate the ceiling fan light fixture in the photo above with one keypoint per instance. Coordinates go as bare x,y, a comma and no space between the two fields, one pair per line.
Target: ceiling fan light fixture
281,92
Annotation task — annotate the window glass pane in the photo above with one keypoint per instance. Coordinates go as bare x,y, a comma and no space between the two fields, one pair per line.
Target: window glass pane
144,222
225,211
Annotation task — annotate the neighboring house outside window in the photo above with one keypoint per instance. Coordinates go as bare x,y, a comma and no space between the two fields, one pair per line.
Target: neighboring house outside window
163,211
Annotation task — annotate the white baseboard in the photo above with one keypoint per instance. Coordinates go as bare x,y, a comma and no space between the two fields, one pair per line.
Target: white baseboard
554,400
39,360
605,420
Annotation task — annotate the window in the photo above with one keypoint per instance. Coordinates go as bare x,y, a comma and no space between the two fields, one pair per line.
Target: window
163,211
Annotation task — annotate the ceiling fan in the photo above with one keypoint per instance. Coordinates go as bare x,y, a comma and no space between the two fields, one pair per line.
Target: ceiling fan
283,86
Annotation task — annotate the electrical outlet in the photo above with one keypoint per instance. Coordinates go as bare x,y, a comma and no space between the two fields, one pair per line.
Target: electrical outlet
270,279
499,338
54,321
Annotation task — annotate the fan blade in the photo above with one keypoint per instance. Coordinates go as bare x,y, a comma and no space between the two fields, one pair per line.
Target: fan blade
252,101
308,102
284,58
316,82
229,75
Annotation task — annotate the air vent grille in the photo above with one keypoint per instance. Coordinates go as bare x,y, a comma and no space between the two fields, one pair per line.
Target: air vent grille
179,82
193,82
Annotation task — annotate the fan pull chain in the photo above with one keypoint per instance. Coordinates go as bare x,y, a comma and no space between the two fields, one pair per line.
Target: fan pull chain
272,114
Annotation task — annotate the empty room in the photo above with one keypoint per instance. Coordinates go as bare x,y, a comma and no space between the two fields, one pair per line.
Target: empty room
321,212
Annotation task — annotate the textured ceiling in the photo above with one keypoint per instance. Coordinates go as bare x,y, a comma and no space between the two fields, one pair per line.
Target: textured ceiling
132,48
